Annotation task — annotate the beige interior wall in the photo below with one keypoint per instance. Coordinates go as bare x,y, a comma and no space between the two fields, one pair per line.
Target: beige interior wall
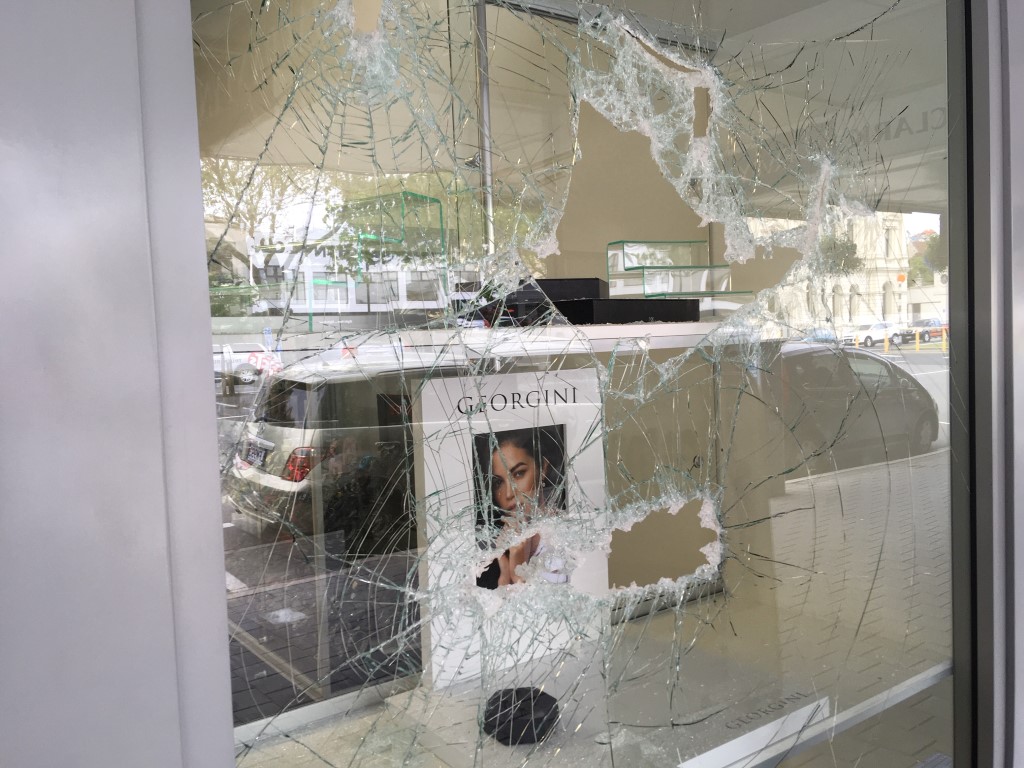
703,424
755,454
662,546
658,448
760,273
616,193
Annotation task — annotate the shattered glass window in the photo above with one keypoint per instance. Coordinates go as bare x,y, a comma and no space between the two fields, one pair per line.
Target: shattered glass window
582,374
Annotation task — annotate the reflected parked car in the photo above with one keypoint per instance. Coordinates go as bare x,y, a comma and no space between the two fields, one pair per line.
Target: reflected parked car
846,407
823,335
869,334
330,459
328,451
245,362
928,328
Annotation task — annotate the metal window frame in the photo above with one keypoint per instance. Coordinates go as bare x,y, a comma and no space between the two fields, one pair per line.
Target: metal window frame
987,381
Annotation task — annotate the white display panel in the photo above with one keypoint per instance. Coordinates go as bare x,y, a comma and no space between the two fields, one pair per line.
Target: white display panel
558,520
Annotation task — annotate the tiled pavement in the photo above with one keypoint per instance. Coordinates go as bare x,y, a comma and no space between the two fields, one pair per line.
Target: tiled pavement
298,637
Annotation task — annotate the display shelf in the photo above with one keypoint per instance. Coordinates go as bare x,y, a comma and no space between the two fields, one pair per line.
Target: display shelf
672,269
625,255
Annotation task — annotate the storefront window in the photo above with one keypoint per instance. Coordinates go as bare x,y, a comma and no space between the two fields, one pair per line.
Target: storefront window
698,517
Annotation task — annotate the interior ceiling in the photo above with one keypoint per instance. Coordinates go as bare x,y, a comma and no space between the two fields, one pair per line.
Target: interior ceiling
736,17
803,20
238,117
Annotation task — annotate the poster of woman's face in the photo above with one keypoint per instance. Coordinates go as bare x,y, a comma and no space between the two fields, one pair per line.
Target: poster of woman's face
519,477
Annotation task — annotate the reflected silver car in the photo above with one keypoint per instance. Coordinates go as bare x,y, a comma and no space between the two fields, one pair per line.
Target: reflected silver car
847,407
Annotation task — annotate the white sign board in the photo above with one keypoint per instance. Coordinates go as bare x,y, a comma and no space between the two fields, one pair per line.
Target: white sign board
513,473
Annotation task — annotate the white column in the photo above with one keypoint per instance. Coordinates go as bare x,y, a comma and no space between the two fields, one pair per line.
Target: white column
112,616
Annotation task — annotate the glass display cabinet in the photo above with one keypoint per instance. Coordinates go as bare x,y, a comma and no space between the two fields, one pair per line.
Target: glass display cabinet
672,269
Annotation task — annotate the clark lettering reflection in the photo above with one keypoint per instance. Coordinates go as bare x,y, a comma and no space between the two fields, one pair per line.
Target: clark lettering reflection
520,478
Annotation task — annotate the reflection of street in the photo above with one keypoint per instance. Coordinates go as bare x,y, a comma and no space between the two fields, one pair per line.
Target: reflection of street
305,624
232,411
304,628
238,403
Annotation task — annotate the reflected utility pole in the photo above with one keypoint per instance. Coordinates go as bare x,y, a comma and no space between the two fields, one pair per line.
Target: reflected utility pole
484,90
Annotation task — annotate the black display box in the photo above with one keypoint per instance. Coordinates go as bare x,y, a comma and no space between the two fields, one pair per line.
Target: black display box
584,301
566,288
605,311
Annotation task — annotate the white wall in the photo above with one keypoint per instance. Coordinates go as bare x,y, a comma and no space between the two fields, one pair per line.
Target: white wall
112,612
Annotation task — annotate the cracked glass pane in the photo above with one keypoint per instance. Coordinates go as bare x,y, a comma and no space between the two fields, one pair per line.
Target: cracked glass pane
582,380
